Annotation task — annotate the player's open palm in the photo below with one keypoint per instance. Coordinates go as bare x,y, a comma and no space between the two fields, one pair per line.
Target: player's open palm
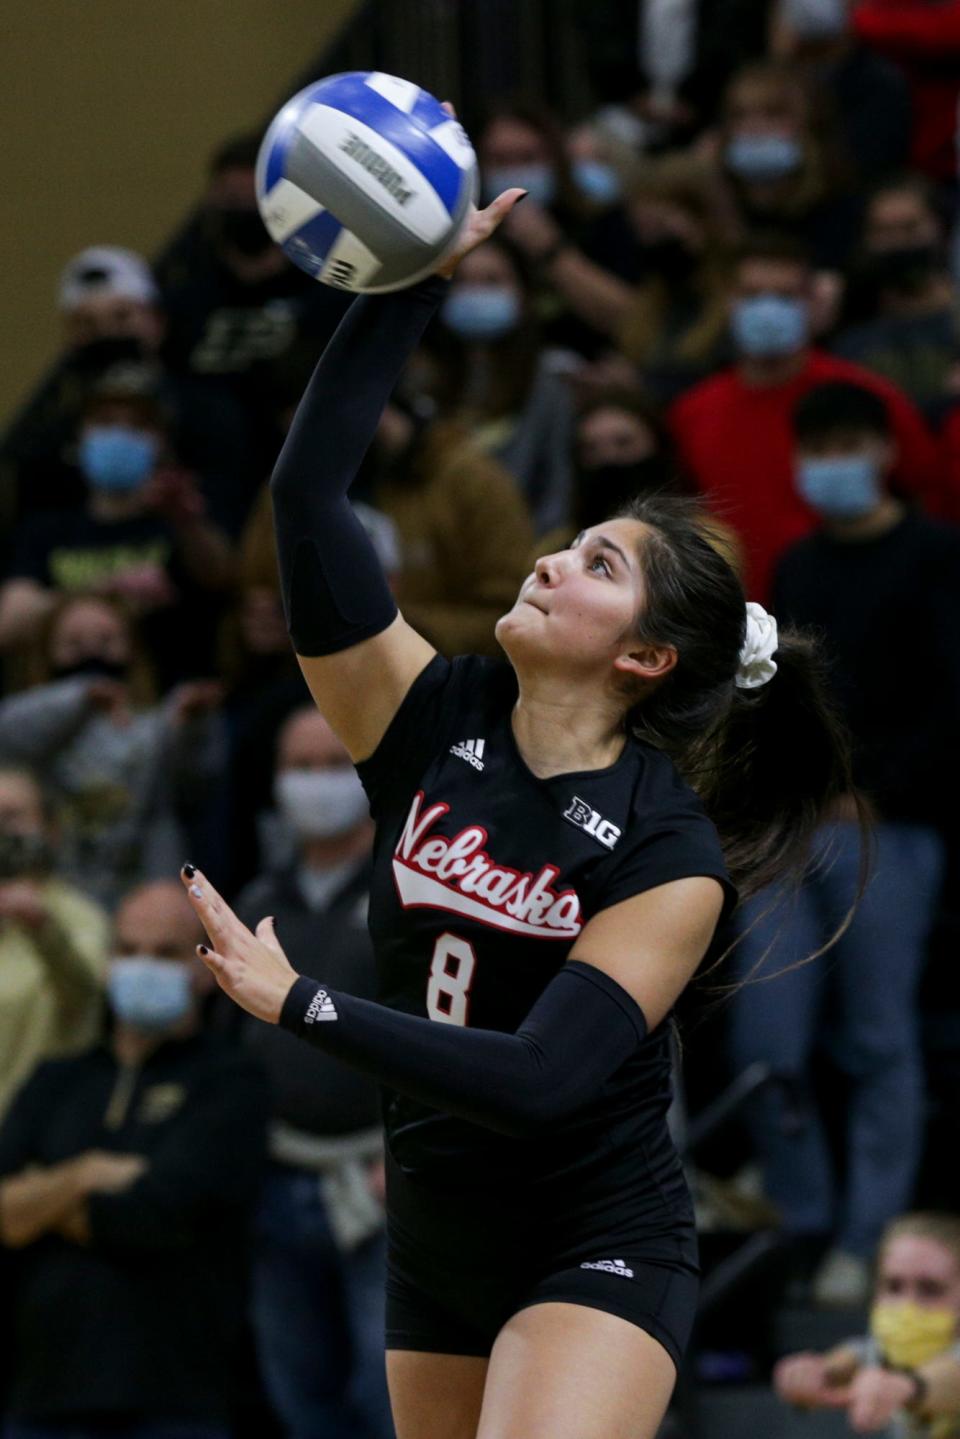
251,968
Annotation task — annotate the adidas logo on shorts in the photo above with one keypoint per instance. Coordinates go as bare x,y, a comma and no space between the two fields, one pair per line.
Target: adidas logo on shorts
471,750
611,1266
321,1006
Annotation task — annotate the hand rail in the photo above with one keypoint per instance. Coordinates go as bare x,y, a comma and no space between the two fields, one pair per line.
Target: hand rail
466,51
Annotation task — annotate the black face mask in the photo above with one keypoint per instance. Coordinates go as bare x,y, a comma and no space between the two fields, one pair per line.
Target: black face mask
98,356
670,259
93,667
241,230
22,854
906,269
604,490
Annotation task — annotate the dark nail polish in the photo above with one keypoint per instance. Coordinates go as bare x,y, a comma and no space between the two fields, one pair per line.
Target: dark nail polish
189,870
202,949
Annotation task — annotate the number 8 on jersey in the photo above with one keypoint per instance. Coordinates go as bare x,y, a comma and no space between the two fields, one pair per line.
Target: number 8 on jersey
451,974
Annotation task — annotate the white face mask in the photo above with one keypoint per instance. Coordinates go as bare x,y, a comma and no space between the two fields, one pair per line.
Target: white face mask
320,803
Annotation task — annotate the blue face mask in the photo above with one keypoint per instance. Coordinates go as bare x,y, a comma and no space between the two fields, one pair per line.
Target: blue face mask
817,19
840,487
599,182
481,312
536,178
117,458
766,326
148,993
757,158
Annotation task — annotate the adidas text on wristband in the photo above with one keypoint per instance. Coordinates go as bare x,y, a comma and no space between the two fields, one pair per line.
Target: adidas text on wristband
307,1004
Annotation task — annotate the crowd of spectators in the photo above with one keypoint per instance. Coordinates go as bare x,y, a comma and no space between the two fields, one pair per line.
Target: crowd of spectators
735,277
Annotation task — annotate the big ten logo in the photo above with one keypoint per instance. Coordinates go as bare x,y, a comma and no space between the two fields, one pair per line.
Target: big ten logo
585,817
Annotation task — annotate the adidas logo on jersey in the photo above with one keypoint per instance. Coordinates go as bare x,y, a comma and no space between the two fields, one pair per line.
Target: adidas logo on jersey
321,1006
611,1266
471,750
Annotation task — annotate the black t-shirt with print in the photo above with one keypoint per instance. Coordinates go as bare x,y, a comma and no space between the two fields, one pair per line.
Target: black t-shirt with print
484,876
143,1321
71,551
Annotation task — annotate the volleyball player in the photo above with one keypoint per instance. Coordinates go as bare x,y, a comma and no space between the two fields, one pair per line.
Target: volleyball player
546,882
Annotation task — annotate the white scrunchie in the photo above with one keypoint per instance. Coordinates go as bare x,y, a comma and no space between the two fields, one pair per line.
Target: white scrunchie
757,664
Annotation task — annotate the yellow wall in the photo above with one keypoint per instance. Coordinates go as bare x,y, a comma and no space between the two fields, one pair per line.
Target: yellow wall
108,111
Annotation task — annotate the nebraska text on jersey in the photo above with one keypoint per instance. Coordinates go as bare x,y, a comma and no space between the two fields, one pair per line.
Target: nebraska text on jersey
458,875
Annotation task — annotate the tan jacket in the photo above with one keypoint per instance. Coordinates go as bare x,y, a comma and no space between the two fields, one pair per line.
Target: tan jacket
464,536
51,984
465,533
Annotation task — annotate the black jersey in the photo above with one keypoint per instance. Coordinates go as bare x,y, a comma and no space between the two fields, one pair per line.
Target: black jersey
484,876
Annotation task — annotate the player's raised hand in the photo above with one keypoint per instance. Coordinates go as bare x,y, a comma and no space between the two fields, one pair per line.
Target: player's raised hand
251,968
479,224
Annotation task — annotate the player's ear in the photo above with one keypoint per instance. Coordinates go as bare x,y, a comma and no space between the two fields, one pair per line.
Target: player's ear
646,662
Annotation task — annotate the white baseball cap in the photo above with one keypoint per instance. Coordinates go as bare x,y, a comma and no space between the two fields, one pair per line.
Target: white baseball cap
107,271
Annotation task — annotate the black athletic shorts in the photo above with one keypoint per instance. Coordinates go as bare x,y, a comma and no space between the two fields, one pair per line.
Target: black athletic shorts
460,1264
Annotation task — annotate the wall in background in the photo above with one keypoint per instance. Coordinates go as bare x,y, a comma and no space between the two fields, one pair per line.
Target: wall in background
108,111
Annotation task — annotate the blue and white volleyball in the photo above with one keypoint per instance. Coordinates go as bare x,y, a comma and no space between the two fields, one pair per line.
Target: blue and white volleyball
364,181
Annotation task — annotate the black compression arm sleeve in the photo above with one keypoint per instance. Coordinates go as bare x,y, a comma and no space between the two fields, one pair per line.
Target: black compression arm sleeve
334,591
581,1029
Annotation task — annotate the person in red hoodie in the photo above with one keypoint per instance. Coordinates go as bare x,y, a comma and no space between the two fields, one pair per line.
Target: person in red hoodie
733,431
923,36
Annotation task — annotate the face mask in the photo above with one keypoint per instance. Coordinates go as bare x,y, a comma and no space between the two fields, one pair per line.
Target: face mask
605,489
320,803
758,158
98,356
598,181
766,326
816,19
148,993
537,179
93,667
22,854
481,312
116,458
844,487
906,269
908,1335
241,230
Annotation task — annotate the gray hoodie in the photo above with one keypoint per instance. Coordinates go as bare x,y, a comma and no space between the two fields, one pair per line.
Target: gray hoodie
121,787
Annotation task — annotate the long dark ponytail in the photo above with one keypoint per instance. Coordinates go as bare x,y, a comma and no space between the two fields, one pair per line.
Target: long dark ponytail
767,762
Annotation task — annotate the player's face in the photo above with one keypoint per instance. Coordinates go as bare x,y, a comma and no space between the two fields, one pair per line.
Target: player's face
579,606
